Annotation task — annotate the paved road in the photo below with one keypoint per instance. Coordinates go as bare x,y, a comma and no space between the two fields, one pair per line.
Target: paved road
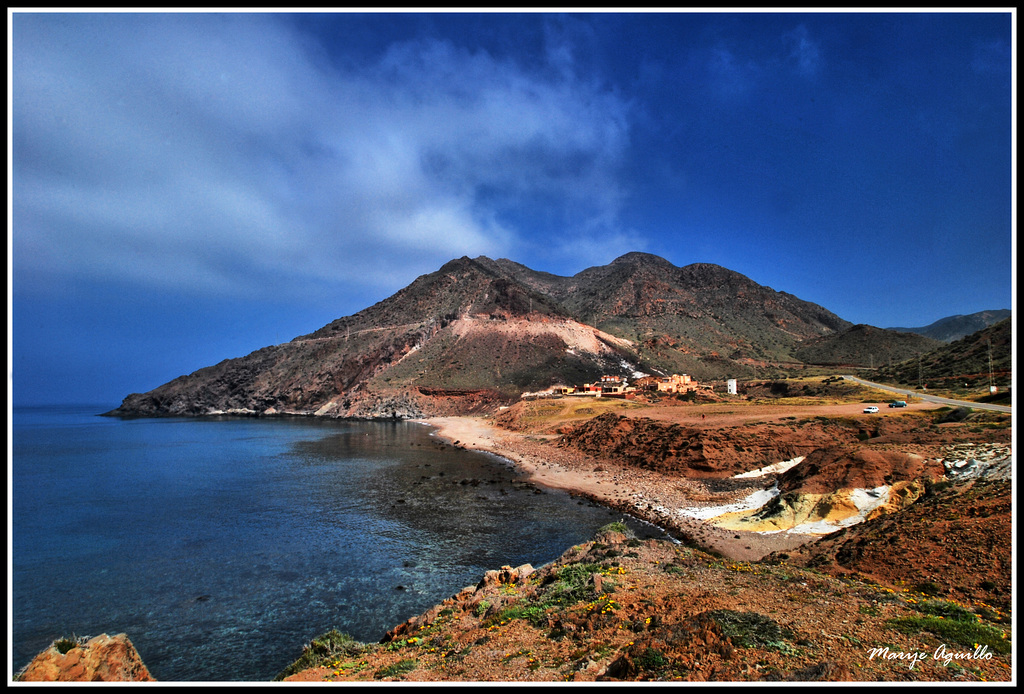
931,398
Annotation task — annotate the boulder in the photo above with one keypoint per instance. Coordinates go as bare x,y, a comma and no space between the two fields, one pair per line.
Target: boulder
100,659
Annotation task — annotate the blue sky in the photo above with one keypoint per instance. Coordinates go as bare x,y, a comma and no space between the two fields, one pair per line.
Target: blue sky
187,188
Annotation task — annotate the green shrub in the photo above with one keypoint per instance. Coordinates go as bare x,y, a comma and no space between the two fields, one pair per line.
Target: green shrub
651,659
323,649
752,630
66,643
534,614
618,527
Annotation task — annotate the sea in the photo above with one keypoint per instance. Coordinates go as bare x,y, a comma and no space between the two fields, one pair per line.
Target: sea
222,545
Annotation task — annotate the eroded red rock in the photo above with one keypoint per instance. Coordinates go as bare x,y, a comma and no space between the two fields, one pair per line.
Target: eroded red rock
102,658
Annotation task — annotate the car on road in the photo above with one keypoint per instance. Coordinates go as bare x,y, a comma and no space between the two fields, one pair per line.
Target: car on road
870,410
898,403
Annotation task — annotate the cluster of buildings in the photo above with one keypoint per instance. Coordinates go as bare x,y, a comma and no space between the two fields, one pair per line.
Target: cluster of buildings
618,387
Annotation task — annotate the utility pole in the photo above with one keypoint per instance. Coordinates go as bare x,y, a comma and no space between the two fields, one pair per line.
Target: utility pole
989,365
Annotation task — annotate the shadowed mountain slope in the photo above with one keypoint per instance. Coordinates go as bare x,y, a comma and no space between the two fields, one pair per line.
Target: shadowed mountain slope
955,327
971,361
864,345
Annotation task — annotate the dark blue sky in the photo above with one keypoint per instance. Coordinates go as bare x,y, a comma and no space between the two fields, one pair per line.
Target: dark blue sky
191,187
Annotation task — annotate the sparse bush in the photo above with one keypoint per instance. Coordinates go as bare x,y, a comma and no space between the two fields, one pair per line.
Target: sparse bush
66,643
618,527
323,649
957,414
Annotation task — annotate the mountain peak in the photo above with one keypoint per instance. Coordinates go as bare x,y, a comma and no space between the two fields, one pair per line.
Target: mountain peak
640,258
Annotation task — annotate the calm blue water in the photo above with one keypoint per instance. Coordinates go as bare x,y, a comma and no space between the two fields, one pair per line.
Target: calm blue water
222,546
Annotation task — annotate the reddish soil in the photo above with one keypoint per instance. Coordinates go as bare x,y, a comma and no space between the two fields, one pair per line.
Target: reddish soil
617,609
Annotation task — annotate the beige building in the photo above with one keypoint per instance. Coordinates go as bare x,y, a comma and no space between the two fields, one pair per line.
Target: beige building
676,383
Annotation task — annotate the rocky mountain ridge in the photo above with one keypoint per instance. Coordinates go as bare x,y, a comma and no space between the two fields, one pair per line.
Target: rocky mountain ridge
482,330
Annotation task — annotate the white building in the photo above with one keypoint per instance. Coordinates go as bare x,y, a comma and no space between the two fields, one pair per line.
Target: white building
730,386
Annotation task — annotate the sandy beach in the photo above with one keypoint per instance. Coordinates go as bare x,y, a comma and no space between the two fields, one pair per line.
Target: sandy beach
643,494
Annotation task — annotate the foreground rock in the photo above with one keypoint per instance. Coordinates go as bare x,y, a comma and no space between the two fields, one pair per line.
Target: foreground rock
102,658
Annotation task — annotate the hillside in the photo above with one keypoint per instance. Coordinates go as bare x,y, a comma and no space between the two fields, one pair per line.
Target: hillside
700,319
962,364
863,345
478,332
617,609
456,338
953,328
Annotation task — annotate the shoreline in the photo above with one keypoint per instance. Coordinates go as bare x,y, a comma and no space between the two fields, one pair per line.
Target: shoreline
648,496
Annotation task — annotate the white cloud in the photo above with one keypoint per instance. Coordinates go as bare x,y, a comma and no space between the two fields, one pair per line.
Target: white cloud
803,51
212,153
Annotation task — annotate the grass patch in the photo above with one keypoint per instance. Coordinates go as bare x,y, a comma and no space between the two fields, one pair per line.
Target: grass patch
948,610
954,631
396,670
323,650
752,630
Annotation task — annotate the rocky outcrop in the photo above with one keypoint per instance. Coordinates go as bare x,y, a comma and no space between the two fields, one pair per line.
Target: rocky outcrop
838,486
102,658
479,597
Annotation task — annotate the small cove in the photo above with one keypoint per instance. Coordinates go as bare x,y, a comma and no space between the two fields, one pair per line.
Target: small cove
222,545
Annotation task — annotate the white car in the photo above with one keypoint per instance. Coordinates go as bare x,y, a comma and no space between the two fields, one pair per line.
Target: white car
870,410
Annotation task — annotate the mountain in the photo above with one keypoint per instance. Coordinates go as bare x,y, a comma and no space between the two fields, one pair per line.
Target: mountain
700,319
971,361
955,327
864,345
479,331
465,332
